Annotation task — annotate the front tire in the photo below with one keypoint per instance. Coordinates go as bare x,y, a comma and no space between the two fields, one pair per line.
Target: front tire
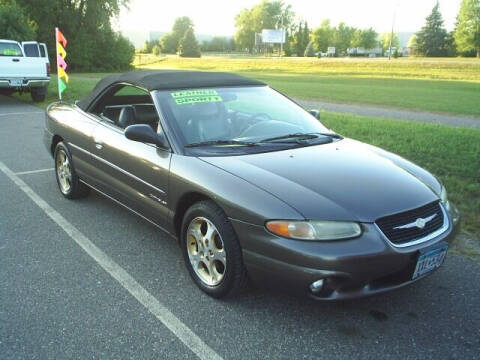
38,94
67,179
211,250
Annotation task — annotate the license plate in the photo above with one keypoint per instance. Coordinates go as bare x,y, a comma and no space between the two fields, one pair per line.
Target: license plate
16,82
429,261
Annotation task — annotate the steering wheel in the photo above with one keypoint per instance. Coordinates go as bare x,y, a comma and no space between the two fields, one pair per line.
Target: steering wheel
254,117
259,115
269,128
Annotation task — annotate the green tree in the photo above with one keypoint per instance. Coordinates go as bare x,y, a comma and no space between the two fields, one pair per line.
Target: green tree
342,37
92,44
323,36
385,41
171,41
269,14
180,27
366,39
14,23
169,44
147,47
188,46
467,32
218,44
306,36
431,38
412,44
309,52
156,50
450,47
287,47
299,49
356,39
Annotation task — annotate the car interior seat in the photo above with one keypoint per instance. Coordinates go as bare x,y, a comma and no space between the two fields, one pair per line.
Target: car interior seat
210,121
126,117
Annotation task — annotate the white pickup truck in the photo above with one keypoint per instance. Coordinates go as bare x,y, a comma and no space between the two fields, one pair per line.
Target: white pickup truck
21,73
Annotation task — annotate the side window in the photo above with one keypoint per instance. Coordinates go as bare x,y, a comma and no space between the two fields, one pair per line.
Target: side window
10,49
127,105
42,51
31,50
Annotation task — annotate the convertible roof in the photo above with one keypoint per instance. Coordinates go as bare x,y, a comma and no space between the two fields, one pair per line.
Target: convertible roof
168,80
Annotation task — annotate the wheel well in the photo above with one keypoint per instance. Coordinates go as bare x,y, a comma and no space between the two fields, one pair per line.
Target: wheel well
185,202
56,139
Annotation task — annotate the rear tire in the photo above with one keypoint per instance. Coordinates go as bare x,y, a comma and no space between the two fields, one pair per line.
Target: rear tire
211,251
38,94
67,179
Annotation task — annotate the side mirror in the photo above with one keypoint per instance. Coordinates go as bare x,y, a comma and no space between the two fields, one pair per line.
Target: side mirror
315,113
145,134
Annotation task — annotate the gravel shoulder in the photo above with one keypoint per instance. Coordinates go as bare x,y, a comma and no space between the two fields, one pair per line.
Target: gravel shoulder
393,113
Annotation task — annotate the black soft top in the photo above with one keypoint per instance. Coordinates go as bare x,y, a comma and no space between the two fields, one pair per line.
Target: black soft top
168,80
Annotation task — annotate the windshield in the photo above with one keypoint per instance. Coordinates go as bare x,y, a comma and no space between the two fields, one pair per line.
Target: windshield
234,115
10,49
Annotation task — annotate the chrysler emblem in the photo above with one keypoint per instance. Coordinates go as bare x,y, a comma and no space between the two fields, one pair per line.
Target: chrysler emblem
419,223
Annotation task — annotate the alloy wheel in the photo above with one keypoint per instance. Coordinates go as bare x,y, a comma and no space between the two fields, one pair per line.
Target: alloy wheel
206,251
64,171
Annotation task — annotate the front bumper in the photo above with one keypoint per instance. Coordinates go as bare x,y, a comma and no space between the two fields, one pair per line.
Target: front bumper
351,268
25,83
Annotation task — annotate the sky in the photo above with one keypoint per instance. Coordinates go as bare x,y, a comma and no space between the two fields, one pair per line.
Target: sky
216,17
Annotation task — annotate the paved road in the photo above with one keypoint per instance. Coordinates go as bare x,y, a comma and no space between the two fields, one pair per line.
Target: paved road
393,113
56,301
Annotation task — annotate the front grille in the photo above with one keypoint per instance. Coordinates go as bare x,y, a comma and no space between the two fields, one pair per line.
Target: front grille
403,236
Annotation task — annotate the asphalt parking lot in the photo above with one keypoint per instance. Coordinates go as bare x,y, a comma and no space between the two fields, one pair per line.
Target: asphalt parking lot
87,279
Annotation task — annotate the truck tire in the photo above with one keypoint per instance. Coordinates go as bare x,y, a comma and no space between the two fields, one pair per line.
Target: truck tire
7,92
38,94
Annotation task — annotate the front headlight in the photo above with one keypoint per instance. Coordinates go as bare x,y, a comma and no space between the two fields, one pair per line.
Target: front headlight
443,195
314,230
444,199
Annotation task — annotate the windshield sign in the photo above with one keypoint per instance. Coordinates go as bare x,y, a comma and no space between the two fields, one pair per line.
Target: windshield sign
195,96
10,49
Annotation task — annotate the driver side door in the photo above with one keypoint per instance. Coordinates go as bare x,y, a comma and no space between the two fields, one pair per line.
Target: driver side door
133,173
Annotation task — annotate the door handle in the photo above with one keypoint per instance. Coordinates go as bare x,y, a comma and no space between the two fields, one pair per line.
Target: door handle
15,60
99,146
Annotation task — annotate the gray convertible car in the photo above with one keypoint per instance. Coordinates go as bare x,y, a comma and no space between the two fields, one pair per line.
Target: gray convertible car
252,185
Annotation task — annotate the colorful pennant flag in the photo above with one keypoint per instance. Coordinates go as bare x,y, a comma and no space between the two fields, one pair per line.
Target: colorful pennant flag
61,43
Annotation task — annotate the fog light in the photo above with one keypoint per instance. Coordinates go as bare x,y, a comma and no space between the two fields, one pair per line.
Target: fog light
316,286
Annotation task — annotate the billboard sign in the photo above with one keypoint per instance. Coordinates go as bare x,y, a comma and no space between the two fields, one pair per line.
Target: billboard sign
273,36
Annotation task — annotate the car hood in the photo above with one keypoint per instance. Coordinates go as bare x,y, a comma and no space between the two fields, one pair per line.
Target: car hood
343,180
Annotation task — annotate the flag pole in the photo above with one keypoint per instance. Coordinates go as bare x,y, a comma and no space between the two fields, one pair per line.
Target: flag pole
58,77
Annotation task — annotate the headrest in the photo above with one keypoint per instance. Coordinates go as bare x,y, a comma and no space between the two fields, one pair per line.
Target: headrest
126,117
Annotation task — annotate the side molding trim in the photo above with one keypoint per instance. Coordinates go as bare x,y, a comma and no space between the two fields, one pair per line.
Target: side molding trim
115,167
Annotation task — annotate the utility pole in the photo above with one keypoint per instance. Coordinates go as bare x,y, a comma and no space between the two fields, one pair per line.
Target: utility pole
391,35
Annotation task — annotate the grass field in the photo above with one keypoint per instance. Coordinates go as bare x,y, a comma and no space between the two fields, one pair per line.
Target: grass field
462,69
440,85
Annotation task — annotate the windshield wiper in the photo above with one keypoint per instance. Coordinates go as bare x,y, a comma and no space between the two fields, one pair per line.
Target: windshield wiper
301,136
222,143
